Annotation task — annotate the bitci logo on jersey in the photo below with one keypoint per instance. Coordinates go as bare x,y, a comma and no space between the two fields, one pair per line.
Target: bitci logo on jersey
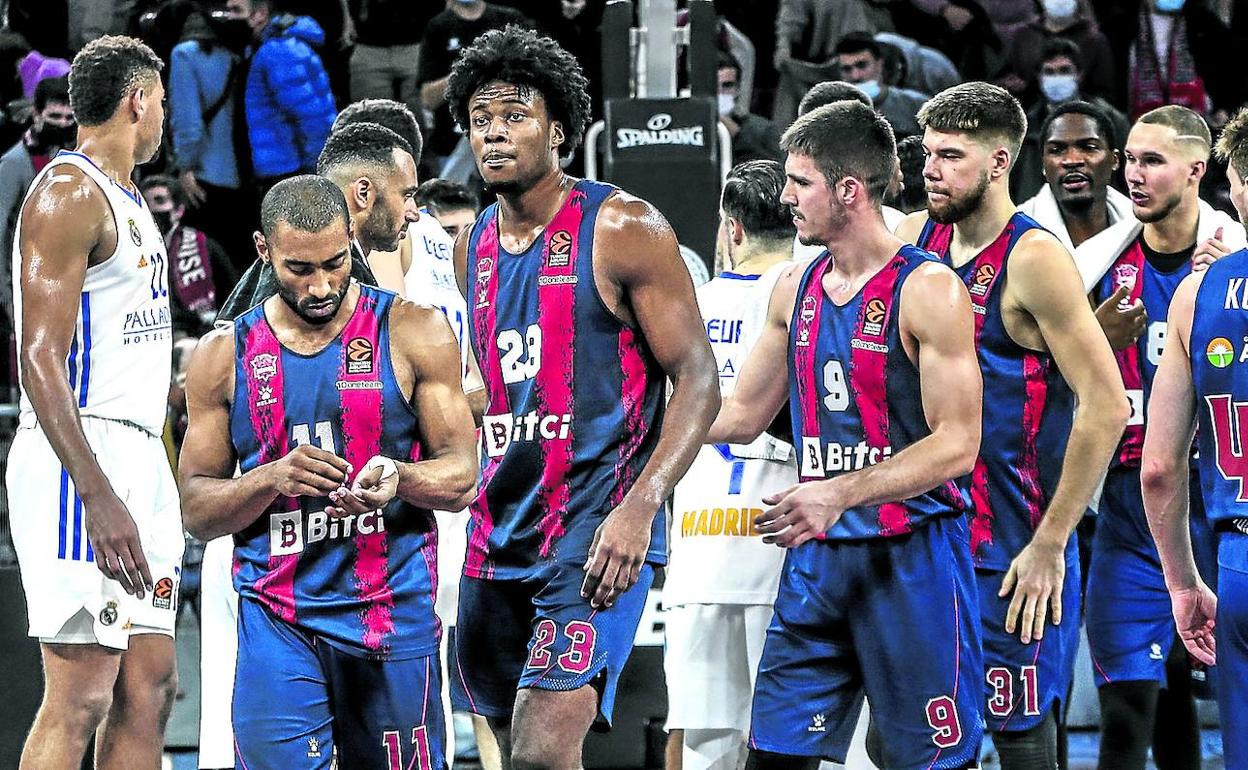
1220,352
360,356
498,431
873,317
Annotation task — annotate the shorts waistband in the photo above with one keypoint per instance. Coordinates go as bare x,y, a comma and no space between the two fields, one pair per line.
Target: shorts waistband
110,420
1239,525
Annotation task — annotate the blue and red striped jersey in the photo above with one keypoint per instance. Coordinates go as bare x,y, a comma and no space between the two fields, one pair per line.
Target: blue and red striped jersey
1028,409
856,394
1138,363
1219,353
574,395
363,584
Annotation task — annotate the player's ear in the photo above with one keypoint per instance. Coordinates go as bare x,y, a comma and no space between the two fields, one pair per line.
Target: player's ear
135,103
362,193
556,134
1117,159
1198,170
262,247
1000,163
736,233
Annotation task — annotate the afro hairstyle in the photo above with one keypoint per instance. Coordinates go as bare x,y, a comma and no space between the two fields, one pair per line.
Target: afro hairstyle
522,57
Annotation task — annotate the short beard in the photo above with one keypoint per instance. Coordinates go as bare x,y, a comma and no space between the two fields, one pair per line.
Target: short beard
1150,217
956,211
292,302
377,232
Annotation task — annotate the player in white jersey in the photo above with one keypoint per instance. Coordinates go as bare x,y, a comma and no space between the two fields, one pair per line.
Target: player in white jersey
94,507
722,578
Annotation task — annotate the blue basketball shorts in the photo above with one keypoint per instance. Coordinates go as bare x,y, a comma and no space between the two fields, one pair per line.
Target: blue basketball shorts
297,699
1024,681
537,632
1129,618
893,618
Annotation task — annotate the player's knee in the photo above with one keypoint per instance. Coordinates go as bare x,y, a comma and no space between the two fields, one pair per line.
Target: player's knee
1031,749
81,712
544,755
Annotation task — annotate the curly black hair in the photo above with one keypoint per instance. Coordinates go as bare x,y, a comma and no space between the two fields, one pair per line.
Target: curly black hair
104,73
522,57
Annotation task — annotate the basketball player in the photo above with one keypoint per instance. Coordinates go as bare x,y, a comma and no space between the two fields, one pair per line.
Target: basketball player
877,343
722,578
1038,341
576,333
95,510
341,406
1130,628
376,171
1200,386
421,270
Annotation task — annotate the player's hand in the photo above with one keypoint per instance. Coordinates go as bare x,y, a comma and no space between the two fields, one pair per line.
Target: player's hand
115,540
1209,251
1195,609
308,471
1122,326
1036,577
800,513
616,557
195,194
369,492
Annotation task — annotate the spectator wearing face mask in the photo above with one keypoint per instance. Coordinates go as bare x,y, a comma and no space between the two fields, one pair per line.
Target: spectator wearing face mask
200,274
1074,21
753,136
862,63
1061,80
52,128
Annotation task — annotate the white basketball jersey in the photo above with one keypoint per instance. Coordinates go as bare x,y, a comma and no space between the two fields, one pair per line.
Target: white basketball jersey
430,279
717,557
120,359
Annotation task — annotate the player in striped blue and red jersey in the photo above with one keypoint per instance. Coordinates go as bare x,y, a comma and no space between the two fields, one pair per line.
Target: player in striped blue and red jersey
877,594
342,407
1201,386
580,310
1038,341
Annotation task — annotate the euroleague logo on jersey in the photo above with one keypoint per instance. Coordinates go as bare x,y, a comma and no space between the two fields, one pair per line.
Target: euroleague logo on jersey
873,317
360,356
559,249
162,594
984,276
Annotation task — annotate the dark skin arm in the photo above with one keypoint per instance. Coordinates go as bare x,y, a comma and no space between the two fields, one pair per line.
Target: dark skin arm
654,295
426,361
53,269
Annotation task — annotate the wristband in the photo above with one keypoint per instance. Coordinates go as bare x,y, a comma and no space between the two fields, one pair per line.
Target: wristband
388,468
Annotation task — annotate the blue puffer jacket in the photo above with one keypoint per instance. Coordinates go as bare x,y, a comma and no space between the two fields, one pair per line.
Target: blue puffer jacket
289,105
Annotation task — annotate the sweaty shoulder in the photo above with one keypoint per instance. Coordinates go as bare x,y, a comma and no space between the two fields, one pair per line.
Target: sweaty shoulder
909,228
64,190
414,325
1038,248
626,215
784,294
213,361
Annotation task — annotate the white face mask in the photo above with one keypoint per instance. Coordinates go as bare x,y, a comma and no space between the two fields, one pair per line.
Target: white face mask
1060,9
1059,88
870,88
727,103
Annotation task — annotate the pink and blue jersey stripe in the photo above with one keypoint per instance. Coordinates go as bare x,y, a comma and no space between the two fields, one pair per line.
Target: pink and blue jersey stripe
1138,363
1028,409
362,584
856,394
574,396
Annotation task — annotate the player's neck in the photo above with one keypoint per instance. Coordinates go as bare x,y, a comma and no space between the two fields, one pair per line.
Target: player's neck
1177,230
307,338
531,210
758,260
1083,222
111,150
982,226
861,249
